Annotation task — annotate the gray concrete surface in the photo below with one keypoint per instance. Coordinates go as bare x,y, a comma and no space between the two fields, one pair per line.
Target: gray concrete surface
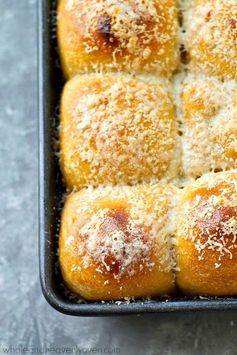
25,317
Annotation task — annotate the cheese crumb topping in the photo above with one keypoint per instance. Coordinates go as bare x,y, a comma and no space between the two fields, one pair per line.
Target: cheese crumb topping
122,231
208,215
139,35
212,37
209,126
117,130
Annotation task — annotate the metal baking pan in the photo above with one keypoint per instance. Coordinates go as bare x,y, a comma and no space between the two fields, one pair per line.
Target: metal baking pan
51,191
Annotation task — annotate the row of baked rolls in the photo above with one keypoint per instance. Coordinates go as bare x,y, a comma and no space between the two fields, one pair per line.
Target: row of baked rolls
115,242
120,129
142,36
211,37
135,36
118,242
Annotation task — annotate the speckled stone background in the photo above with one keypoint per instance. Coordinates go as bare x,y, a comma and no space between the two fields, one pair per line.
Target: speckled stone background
26,319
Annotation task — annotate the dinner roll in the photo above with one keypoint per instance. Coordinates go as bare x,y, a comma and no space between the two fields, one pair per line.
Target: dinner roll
207,236
116,129
210,126
116,242
211,27
133,36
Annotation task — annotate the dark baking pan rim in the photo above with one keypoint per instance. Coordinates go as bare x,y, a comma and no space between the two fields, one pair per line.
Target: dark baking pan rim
51,192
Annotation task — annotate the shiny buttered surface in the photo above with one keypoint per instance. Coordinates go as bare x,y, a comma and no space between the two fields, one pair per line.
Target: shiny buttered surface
206,236
148,148
138,36
117,129
116,242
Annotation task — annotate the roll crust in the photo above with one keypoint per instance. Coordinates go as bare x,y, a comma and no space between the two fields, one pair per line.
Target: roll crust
116,242
212,37
117,129
207,236
210,126
135,36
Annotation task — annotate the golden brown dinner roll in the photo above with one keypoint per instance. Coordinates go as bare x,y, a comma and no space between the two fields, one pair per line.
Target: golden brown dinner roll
207,236
116,129
210,126
116,242
212,37
132,35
